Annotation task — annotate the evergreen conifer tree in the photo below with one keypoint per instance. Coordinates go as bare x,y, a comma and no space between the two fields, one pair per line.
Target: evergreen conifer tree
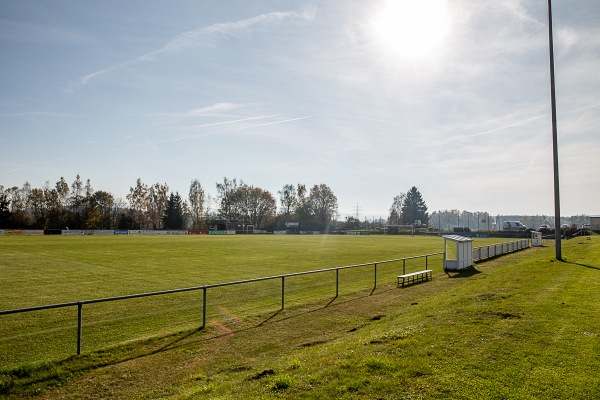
173,216
414,208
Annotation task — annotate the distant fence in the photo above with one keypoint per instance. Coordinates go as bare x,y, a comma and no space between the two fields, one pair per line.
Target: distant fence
76,232
493,250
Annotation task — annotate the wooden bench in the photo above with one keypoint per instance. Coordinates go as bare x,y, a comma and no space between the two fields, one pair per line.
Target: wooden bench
415,277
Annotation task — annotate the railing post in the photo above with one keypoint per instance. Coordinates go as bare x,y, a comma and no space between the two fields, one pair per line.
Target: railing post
375,275
282,292
337,282
79,326
403,266
204,307
426,262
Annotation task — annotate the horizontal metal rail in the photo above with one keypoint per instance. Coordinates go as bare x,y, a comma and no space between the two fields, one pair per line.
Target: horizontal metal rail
101,300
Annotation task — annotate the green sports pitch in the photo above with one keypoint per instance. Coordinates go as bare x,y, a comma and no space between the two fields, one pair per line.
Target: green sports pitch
41,270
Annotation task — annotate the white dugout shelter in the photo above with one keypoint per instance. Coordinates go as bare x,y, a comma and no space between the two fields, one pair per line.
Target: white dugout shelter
458,252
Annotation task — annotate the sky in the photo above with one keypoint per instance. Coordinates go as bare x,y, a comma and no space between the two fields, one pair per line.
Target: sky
370,98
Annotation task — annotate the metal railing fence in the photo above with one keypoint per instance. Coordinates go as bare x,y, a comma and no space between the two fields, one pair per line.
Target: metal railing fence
204,289
492,250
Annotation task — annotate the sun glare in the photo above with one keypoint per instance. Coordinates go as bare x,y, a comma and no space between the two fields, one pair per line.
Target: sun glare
411,28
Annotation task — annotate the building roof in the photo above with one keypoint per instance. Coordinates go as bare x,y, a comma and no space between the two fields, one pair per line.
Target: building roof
457,238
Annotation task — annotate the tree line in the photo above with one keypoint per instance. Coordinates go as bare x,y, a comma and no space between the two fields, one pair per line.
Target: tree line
79,206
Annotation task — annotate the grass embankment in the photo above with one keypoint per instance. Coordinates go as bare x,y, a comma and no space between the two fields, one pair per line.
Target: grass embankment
518,326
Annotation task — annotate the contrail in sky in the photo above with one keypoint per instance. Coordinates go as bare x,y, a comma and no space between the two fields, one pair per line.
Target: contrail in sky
232,121
33,164
232,130
205,36
494,130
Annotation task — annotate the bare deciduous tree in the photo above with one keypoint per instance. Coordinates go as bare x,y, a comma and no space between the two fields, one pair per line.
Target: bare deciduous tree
322,205
253,204
157,199
288,197
197,200
395,217
224,191
137,201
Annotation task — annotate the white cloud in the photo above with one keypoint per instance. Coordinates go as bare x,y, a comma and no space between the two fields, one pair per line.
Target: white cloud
208,36
213,109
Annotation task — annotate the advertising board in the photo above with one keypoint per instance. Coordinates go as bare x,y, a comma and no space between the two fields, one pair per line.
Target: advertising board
19,232
197,232
72,232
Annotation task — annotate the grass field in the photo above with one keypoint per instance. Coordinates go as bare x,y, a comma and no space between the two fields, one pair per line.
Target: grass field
61,269
518,326
55,269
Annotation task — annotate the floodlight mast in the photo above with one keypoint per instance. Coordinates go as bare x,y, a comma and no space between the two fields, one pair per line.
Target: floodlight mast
557,230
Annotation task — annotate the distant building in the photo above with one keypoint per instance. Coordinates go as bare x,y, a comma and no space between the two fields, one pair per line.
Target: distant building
595,223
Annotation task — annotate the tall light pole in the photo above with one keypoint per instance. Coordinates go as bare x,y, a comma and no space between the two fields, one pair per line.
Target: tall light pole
557,232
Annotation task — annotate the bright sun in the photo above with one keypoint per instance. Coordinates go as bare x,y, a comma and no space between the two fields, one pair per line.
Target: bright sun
411,28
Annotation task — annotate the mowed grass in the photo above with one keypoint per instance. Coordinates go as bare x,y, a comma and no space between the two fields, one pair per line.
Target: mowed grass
56,269
520,326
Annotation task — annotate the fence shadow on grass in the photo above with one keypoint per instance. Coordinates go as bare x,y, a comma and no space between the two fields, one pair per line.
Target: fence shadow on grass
275,314
179,340
120,354
27,376
93,361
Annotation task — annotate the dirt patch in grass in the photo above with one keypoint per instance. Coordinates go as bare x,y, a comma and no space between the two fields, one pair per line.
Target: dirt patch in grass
260,375
503,315
315,343
491,296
